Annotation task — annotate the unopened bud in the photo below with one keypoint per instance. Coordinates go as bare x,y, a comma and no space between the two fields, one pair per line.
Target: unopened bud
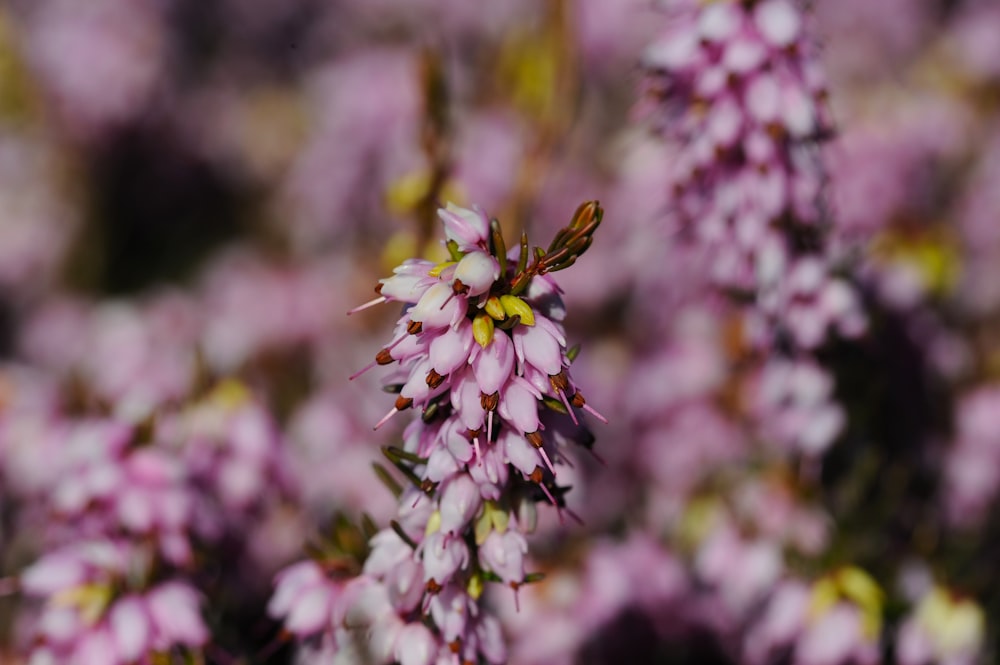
482,330
514,306
495,309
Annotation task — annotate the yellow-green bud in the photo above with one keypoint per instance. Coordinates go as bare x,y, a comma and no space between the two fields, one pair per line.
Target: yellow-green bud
482,330
514,306
495,309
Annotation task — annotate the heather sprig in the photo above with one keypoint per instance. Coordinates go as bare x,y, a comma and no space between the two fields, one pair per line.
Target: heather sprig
482,353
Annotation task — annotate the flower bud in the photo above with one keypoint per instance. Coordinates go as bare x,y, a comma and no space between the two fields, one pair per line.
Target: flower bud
514,306
466,227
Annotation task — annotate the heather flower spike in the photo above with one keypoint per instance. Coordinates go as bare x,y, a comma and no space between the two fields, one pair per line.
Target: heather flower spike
483,358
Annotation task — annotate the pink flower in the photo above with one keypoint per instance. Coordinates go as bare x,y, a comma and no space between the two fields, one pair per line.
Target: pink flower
504,555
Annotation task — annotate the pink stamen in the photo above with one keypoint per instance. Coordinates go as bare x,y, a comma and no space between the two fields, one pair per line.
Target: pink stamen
551,498
397,341
362,370
489,426
446,301
479,454
569,407
517,600
386,418
370,303
548,462
589,409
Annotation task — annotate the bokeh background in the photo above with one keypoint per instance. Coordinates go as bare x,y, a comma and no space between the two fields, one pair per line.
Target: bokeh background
194,192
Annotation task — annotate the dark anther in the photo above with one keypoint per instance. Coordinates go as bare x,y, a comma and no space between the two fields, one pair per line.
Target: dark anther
489,402
384,357
378,288
535,438
403,403
577,400
434,379
414,327
559,381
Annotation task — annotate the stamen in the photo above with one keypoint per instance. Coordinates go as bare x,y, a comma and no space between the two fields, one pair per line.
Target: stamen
362,370
548,462
517,601
386,418
578,401
552,499
569,407
370,303
396,342
446,301
489,426
589,409
479,454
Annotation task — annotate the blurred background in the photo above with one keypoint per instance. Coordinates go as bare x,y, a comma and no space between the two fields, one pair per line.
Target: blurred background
194,192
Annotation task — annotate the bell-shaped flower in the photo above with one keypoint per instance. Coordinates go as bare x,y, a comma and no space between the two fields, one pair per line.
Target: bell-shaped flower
536,345
460,501
409,282
416,387
457,443
490,474
444,555
493,364
405,585
451,610
477,271
518,452
450,350
173,607
130,628
468,228
438,307
503,554
778,21
465,399
490,640
441,465
519,405
291,582
416,645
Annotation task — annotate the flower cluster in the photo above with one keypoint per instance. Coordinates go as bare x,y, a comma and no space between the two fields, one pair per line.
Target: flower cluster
101,605
736,87
482,354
